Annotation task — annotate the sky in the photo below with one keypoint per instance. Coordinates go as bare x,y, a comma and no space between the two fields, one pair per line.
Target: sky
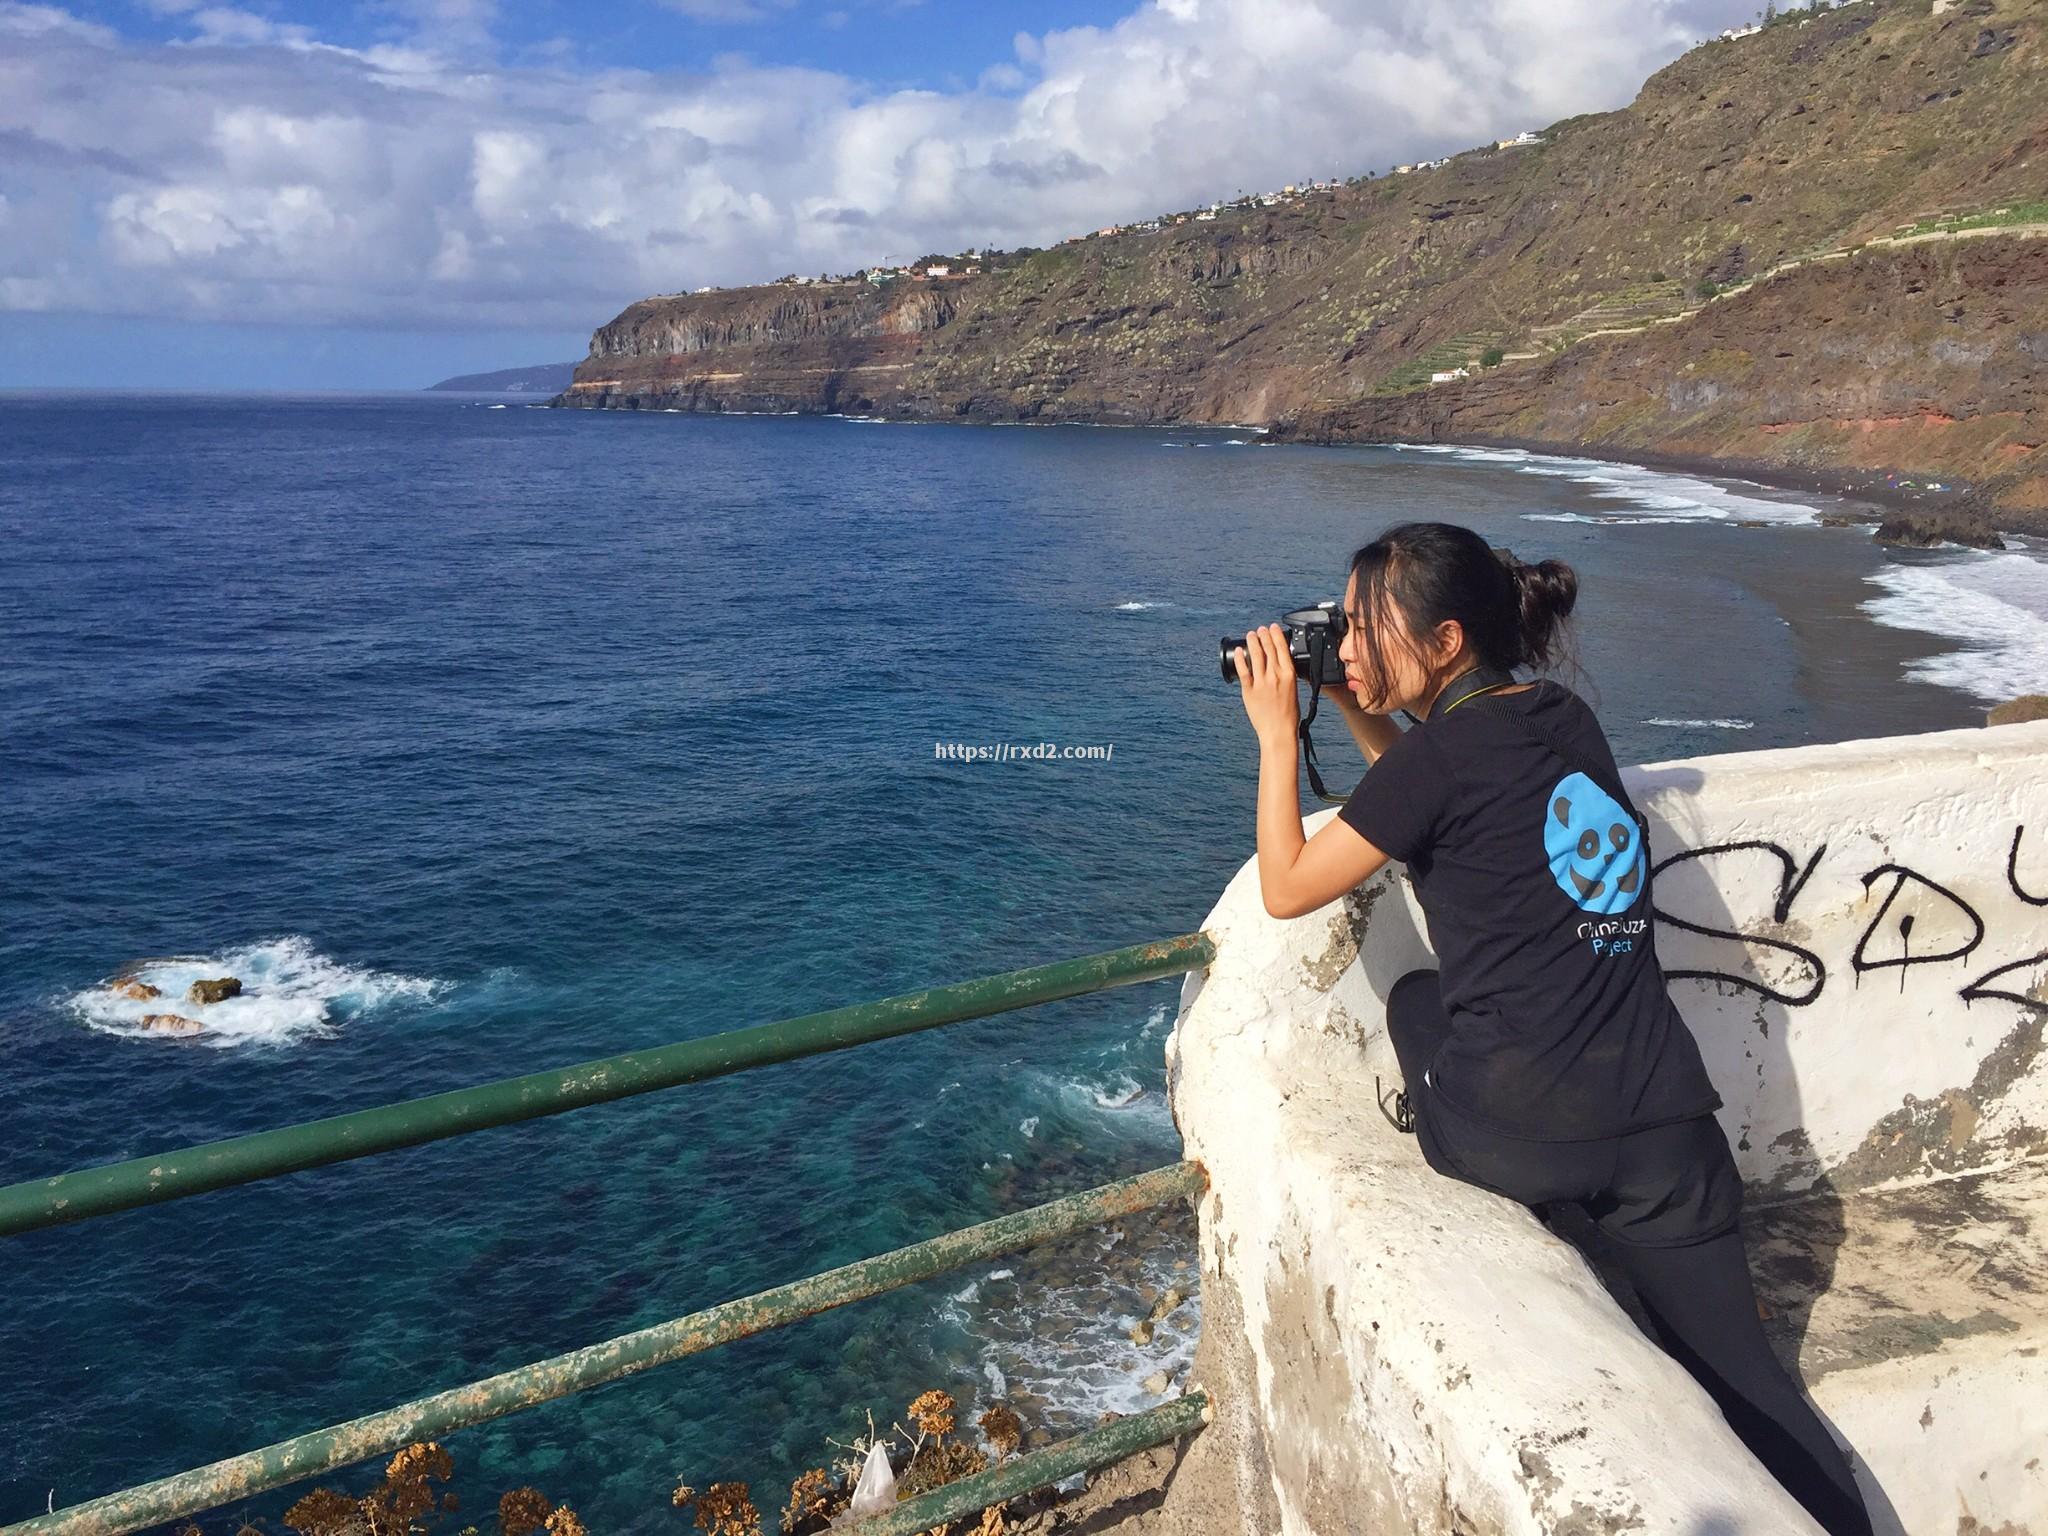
363,194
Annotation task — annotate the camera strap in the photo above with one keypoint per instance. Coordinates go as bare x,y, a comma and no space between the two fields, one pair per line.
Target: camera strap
1308,748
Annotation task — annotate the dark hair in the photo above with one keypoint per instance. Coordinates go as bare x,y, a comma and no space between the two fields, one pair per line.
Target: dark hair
1513,614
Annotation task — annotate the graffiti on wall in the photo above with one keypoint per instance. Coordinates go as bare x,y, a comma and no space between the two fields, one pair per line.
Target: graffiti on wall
1887,940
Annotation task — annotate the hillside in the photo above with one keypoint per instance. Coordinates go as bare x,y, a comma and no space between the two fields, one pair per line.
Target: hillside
1324,317
540,379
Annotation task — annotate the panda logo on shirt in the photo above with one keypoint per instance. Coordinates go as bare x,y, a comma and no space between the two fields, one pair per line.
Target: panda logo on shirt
1594,846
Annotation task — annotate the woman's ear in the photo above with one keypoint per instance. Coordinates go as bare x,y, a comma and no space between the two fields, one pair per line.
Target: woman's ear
1448,636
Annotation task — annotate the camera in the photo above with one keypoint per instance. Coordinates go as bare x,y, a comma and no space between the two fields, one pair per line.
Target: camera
1313,635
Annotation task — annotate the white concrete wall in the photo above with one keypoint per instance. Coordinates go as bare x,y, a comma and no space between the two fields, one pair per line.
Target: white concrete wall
1868,900
1425,1357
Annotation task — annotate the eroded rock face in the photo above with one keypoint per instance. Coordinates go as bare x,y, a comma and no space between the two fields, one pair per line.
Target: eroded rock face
1924,530
218,990
134,989
1919,359
171,1024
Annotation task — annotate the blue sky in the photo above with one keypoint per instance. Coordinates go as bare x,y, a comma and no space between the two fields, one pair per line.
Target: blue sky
924,44
376,193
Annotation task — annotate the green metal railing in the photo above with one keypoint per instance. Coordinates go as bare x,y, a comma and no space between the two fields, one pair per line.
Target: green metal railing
116,1187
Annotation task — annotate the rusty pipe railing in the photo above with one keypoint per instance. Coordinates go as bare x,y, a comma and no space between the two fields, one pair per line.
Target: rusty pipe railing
87,1192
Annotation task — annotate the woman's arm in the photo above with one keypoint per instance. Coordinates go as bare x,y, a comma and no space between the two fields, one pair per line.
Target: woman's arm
1296,874
1373,733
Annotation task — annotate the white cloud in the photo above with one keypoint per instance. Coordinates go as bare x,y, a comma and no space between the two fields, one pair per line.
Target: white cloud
728,10
49,21
274,176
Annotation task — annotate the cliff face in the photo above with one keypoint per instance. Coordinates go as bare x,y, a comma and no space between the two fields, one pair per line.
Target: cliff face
1329,313
1929,360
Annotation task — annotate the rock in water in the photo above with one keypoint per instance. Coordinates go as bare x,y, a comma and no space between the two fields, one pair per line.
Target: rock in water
1157,1383
2028,706
137,991
218,990
171,1024
1926,530
1167,1303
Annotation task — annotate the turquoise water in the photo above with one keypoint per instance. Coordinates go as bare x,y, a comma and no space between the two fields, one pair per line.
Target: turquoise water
481,740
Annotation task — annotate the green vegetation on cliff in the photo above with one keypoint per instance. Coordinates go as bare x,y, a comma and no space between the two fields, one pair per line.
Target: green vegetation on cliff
1734,185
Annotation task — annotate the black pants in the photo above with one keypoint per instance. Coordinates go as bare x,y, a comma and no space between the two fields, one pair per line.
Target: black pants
1669,1198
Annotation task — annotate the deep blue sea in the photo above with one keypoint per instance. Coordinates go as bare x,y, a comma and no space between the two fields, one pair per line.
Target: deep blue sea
480,739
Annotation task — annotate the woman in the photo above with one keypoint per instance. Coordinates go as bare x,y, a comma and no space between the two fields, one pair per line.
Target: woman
1544,1061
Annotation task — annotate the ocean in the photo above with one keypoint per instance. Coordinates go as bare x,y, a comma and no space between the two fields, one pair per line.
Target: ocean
479,738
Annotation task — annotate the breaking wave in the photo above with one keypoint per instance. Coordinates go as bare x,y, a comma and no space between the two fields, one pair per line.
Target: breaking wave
1995,602
1652,495
290,992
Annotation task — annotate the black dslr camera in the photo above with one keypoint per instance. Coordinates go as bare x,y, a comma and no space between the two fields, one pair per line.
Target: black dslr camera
1313,635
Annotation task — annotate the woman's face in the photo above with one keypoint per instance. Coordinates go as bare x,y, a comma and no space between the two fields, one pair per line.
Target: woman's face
1412,667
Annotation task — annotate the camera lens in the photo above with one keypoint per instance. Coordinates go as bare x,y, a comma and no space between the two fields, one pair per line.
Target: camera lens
1224,647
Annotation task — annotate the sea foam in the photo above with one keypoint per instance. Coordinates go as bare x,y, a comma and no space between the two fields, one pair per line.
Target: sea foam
290,992
1651,495
1995,601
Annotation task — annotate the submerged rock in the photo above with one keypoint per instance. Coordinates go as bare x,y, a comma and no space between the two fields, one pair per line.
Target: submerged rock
218,990
134,989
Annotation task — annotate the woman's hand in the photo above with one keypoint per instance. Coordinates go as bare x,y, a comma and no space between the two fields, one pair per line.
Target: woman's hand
1266,682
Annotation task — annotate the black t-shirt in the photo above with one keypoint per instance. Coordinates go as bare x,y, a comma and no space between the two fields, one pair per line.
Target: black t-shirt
1535,882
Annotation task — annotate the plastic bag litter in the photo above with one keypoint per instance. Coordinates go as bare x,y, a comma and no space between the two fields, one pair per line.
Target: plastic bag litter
875,1493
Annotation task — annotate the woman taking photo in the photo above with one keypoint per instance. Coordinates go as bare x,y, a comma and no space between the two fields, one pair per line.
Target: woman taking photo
1544,1059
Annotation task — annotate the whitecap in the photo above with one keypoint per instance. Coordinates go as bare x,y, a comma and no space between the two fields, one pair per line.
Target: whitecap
1580,517
1996,602
1070,1345
290,992
1137,606
1718,723
1029,1126
1665,495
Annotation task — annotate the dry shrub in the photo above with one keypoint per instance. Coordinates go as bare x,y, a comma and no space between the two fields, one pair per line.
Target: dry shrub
933,1413
724,1509
1004,1429
811,1503
406,1496
936,1464
524,1511
325,1512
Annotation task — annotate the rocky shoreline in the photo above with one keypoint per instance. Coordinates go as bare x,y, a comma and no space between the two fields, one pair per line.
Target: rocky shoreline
1738,274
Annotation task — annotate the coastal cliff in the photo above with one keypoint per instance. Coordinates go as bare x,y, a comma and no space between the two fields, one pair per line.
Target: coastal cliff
1809,250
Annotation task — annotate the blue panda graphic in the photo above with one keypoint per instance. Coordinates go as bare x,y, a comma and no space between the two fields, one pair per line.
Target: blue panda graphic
1594,846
